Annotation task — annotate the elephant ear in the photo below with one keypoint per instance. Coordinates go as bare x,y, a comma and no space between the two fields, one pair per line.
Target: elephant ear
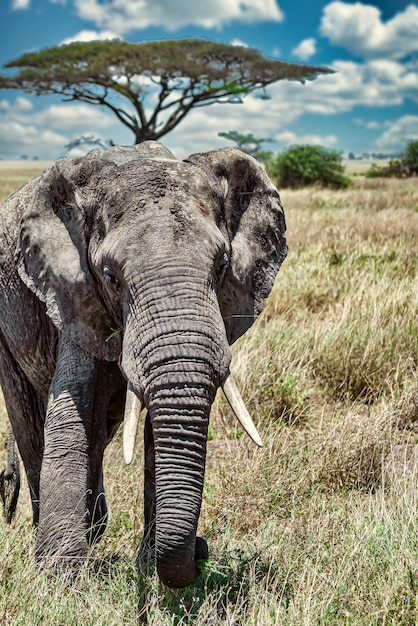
255,222
52,256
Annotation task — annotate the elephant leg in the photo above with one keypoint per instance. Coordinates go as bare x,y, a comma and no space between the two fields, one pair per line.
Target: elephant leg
111,377
73,509
147,549
26,410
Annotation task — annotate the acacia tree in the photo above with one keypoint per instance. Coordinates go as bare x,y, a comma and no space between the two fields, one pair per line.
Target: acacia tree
157,82
249,144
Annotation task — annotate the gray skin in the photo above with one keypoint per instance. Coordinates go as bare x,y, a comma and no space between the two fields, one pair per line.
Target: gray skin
10,480
128,265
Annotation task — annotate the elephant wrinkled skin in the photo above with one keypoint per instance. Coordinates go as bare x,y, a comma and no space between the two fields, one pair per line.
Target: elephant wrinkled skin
128,266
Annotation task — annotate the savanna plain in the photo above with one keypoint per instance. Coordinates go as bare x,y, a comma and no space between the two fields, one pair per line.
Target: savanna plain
320,526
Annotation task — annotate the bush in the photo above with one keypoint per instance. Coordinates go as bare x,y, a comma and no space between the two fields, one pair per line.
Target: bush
395,169
299,166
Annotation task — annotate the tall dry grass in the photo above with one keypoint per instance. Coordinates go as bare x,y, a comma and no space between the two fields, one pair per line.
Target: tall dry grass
320,525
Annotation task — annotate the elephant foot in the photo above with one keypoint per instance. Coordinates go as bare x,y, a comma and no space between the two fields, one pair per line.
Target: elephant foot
61,554
9,488
146,557
66,567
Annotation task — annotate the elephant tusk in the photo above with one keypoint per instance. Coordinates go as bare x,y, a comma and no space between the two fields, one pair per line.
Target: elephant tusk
236,403
133,408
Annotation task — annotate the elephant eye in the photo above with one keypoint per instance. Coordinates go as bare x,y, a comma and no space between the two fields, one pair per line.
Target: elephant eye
222,268
110,278
224,262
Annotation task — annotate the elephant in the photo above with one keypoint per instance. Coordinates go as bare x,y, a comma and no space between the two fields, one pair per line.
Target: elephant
125,276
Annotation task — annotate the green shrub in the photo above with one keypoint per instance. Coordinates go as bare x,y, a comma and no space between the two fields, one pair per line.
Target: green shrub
299,166
395,169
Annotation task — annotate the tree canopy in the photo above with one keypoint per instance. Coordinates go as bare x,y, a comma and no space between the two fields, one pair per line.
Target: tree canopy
176,75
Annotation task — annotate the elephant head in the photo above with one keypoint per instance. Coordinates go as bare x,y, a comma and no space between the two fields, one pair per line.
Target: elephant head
158,265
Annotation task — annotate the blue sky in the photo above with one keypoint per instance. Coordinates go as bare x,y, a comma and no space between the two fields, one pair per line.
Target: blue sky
368,105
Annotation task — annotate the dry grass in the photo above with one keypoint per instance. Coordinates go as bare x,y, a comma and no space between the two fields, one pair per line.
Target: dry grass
14,174
320,525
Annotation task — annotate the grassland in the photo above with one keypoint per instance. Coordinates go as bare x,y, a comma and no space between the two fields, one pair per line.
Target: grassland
321,525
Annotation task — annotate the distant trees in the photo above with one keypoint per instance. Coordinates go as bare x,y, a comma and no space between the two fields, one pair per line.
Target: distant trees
150,87
303,165
406,165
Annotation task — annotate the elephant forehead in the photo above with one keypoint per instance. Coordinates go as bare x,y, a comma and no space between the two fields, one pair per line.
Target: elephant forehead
168,225
143,184
160,207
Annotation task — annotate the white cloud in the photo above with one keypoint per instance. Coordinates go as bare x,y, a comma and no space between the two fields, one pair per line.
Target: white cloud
62,116
91,35
306,49
238,42
288,138
18,139
45,133
70,116
23,104
373,84
123,16
372,125
359,28
399,132
20,104
20,4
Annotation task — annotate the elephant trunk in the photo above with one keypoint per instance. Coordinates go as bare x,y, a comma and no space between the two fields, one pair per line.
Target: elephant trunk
179,398
180,435
175,362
